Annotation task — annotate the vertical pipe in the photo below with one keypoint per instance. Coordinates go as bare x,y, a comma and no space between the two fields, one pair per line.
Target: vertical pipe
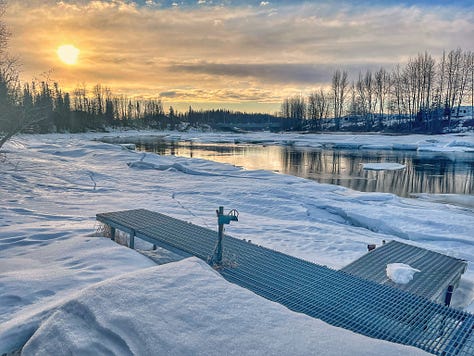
220,212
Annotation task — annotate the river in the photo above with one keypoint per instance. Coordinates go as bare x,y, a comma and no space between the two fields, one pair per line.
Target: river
424,172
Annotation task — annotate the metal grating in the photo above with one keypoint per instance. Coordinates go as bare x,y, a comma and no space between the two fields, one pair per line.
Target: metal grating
336,297
437,271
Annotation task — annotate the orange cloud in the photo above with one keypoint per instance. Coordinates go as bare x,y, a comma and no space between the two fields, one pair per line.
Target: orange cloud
221,54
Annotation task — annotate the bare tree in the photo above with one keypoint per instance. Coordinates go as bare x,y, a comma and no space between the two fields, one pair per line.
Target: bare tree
339,87
471,66
285,108
317,107
382,89
297,107
466,77
453,77
367,99
3,29
14,117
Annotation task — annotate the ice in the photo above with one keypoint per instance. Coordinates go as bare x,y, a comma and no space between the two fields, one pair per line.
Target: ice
400,273
186,308
383,166
51,187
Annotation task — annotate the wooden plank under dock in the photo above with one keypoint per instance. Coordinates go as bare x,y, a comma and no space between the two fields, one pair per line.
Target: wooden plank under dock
336,297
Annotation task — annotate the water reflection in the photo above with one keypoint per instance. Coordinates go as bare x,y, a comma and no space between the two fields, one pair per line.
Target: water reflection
425,172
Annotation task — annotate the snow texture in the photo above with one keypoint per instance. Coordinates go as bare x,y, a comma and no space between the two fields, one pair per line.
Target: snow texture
400,273
51,187
186,308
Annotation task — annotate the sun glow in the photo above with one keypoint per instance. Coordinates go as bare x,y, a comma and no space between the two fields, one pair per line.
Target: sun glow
68,54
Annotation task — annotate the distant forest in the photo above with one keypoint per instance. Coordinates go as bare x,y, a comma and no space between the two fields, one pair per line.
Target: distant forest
424,95
420,96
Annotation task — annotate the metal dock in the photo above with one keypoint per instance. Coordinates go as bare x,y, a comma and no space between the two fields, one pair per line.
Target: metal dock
336,297
439,274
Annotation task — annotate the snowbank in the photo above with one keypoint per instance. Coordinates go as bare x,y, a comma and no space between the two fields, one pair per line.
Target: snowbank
455,199
186,308
461,142
41,271
53,185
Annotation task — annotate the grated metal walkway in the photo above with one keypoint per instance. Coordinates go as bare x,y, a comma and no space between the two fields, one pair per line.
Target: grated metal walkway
336,297
437,271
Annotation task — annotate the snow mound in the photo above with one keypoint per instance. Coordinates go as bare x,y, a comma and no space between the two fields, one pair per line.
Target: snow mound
186,308
42,271
176,167
460,143
400,273
382,166
454,199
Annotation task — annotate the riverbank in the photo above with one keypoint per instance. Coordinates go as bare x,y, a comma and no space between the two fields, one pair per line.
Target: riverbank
460,142
53,185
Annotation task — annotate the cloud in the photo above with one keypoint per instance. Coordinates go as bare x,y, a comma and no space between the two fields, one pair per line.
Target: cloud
277,73
168,94
217,52
269,72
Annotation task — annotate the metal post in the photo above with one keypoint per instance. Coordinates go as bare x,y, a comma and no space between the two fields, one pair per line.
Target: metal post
112,233
220,235
216,259
449,294
132,239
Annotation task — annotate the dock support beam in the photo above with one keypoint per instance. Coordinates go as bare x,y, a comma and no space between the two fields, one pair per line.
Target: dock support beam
132,239
449,294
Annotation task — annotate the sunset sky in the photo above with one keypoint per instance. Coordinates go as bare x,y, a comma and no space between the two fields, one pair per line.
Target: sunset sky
244,55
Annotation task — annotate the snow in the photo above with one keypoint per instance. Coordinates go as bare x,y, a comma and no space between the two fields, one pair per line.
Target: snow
186,308
41,269
51,187
455,199
460,142
383,166
400,273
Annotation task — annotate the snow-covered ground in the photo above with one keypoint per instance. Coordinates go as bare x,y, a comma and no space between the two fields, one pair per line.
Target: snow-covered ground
57,276
186,308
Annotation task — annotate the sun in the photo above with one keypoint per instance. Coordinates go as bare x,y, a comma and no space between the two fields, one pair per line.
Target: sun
68,53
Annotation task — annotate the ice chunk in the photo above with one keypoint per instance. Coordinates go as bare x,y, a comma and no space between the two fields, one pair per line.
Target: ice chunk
401,273
382,166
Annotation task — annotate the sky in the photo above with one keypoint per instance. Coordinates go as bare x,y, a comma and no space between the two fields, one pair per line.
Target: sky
242,55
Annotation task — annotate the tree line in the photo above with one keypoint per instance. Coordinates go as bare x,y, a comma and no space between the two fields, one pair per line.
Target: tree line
424,94
86,109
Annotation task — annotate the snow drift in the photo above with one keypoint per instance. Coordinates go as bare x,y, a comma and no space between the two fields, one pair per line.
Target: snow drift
186,308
